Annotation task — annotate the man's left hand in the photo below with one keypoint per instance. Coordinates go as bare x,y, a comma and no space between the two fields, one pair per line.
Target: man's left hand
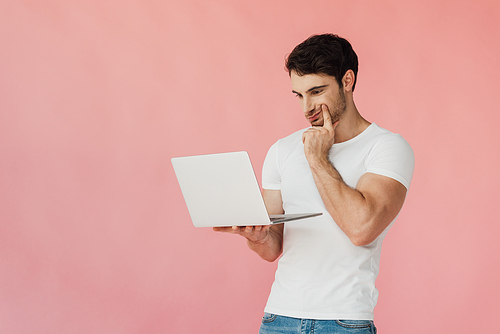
319,139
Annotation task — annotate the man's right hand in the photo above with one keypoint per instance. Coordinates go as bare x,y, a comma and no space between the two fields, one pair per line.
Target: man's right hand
267,240
254,234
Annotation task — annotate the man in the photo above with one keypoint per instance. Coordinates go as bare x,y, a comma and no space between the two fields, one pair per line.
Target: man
353,171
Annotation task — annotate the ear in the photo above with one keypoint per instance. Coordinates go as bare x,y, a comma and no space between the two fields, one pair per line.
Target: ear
348,80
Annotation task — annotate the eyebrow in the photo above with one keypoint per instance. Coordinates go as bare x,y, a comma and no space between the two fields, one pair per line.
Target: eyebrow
310,89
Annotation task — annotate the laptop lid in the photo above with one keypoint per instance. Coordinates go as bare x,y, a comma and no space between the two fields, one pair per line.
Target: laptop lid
222,190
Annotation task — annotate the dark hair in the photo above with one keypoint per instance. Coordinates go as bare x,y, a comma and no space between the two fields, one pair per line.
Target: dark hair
324,54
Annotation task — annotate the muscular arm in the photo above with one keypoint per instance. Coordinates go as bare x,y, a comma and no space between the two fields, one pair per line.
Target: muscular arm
266,241
362,213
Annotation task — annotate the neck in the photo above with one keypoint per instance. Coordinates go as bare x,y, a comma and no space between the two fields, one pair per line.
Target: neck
351,124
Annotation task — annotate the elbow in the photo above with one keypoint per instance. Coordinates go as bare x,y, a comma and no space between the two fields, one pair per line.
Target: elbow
361,240
271,258
268,259
366,232
363,237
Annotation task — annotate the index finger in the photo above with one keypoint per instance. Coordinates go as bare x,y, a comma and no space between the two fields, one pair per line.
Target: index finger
327,119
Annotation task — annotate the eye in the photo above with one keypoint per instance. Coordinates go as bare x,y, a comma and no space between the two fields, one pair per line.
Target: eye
316,92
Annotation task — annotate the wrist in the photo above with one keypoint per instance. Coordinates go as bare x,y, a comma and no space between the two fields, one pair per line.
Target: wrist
258,242
317,163
323,167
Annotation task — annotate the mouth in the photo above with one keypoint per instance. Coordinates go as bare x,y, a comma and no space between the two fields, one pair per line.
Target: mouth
314,117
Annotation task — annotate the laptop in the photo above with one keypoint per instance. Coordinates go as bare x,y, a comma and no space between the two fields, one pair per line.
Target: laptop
222,190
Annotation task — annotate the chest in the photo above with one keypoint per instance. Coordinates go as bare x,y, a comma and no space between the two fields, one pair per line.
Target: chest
297,179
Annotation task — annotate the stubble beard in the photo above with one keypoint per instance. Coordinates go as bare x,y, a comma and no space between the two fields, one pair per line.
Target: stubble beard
338,109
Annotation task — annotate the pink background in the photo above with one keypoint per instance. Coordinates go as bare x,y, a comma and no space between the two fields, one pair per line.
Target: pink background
97,96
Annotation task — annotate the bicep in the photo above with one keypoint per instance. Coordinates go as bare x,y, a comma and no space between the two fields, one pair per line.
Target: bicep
384,195
274,206
273,201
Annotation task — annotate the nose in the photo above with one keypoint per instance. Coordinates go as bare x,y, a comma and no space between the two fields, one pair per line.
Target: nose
308,105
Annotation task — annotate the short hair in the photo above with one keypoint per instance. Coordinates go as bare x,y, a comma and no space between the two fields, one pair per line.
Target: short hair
323,54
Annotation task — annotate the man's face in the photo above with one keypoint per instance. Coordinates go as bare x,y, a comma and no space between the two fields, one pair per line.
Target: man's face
314,90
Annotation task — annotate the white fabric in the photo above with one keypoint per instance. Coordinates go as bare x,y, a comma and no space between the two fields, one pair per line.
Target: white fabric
321,274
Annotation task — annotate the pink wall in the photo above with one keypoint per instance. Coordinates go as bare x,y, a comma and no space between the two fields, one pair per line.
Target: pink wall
97,96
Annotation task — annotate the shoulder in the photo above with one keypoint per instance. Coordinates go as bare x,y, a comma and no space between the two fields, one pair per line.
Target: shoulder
276,157
390,155
384,139
286,145
292,139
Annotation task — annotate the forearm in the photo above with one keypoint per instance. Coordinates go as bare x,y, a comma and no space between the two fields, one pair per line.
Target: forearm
271,247
266,241
349,208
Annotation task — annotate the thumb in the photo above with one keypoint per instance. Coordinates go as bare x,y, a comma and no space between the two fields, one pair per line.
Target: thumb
327,118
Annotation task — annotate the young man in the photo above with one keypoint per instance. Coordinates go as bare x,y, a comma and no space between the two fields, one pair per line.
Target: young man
353,171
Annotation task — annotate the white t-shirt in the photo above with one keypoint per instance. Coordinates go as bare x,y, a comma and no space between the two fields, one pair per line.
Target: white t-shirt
321,274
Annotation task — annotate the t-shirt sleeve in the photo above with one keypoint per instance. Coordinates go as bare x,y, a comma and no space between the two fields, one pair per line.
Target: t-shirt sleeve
271,178
392,157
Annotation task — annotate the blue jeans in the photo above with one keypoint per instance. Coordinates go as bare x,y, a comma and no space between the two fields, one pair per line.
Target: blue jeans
277,324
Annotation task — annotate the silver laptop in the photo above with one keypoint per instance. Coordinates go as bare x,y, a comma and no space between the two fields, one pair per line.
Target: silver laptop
222,190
